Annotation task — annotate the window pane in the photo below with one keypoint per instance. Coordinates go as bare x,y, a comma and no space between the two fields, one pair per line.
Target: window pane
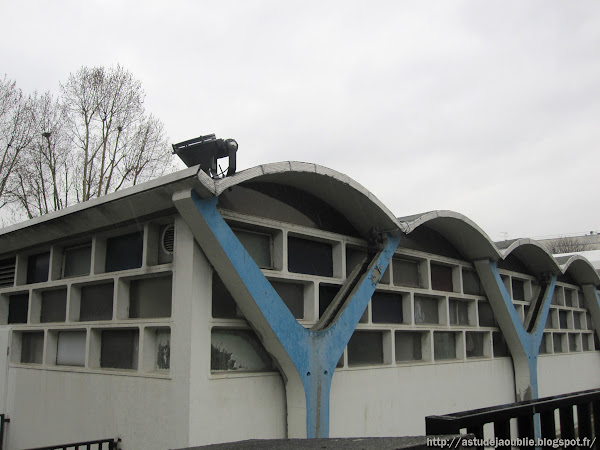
518,289
77,261
258,245
585,342
365,347
577,320
163,349
71,348
37,268
471,283
562,319
444,345
354,258
326,295
573,342
18,308
124,252
150,297
223,304
310,257
486,315
406,273
238,350
386,307
459,312
557,341
54,306
500,346
474,344
292,295
32,347
426,310
119,349
96,302
441,278
408,346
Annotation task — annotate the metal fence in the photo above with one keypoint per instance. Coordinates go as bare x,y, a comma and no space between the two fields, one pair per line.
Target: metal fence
102,444
578,418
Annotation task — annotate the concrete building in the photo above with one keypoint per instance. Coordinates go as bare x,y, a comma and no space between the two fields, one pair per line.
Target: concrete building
282,301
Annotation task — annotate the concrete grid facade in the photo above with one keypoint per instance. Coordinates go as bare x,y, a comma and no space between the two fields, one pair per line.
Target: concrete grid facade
283,301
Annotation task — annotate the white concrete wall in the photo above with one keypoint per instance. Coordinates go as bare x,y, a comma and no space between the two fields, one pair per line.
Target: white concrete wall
570,372
395,401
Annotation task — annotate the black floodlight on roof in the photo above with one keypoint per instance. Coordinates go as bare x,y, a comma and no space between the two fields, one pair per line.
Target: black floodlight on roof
205,150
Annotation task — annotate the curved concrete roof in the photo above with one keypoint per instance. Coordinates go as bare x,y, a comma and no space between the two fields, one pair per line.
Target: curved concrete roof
361,207
461,231
580,269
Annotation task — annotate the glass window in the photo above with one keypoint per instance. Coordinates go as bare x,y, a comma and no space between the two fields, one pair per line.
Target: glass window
124,252
365,348
223,304
32,347
459,312
518,289
474,344
292,295
486,315
310,257
54,306
562,319
444,345
406,272
471,283
573,342
96,302
354,258
585,342
326,295
426,310
18,308
409,346
500,346
150,297
441,278
70,349
386,307
238,350
258,245
557,341
119,349
77,261
37,268
576,320
163,349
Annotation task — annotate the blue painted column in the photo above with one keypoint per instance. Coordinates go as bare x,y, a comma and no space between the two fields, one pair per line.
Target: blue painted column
524,346
307,358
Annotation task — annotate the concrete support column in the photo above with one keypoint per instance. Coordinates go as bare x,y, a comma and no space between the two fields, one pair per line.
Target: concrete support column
307,358
524,346
592,301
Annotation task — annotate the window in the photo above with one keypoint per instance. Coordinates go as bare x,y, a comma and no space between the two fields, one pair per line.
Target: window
18,308
406,272
292,295
7,272
77,261
518,289
32,347
238,350
444,345
386,307
365,348
96,302
426,310
119,349
585,342
150,297
54,306
576,320
500,346
474,344
573,338
562,319
354,258
486,315
124,252
37,268
471,283
459,312
409,346
70,348
258,245
223,304
326,295
162,349
543,347
310,257
441,278
557,341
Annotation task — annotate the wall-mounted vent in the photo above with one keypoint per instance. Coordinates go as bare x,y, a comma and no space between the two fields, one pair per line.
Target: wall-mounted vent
168,239
7,272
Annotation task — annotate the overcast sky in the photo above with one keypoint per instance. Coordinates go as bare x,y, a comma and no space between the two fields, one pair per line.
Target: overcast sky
491,109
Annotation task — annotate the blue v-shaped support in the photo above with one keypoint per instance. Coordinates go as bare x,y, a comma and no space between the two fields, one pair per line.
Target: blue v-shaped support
524,346
307,358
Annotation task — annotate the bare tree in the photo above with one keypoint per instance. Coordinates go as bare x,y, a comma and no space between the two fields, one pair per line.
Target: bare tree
117,144
16,123
566,245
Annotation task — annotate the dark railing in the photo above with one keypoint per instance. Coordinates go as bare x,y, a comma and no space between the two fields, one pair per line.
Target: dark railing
3,420
108,444
585,425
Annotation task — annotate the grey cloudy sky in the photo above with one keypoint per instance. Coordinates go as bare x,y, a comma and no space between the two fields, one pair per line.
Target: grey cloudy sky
490,109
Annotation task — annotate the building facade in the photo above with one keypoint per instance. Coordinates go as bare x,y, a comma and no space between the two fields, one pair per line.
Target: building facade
282,301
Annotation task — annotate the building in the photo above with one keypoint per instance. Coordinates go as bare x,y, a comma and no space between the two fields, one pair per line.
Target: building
282,301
